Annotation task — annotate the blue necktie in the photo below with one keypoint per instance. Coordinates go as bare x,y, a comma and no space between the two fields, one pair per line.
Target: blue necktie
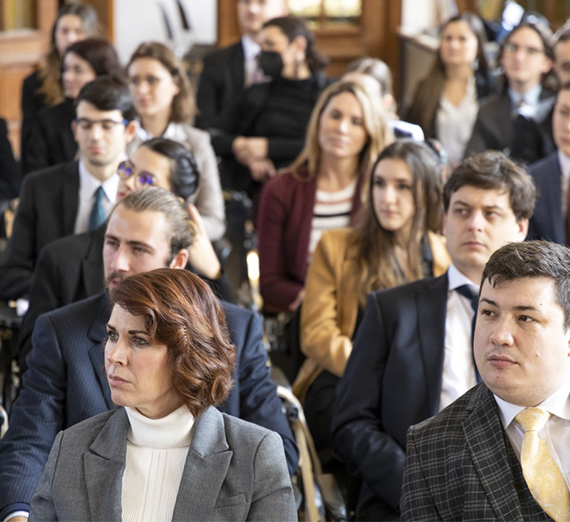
97,216
469,292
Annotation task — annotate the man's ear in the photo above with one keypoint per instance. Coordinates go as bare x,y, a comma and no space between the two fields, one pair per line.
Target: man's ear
131,130
523,227
74,129
180,260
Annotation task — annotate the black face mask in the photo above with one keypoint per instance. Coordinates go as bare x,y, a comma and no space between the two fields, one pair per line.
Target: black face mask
271,63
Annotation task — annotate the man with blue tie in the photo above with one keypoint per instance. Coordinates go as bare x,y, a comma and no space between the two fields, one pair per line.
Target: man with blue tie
501,451
72,197
412,355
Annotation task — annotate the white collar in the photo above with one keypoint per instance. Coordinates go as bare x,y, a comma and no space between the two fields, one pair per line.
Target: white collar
250,47
88,184
456,279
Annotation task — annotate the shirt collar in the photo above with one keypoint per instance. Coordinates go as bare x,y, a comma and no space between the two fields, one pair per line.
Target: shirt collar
456,279
169,132
88,184
531,96
557,404
250,48
564,164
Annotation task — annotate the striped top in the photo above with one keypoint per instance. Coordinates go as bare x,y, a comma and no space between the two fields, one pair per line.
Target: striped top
331,211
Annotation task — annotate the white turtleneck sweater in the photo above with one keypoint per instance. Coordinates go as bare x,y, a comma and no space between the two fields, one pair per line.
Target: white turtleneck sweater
156,454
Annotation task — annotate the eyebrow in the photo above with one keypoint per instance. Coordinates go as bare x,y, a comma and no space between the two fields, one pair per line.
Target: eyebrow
130,332
519,308
486,207
131,243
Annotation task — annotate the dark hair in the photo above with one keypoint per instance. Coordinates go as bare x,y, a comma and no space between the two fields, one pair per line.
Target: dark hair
184,173
108,93
181,312
428,93
50,74
293,26
533,259
155,199
100,55
378,266
183,104
493,170
545,35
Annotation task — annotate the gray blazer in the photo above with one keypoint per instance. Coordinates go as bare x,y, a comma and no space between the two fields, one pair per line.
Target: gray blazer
234,471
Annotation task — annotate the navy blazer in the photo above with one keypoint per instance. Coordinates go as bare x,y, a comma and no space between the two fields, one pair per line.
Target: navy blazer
47,211
392,381
65,383
547,221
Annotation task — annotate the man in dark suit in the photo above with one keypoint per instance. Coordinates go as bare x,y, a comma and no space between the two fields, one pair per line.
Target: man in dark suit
552,178
227,71
412,355
71,197
526,57
501,451
65,382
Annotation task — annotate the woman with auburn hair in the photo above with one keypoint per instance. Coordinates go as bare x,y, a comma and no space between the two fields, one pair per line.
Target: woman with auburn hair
168,362
397,241
43,88
321,190
165,104
446,102
53,140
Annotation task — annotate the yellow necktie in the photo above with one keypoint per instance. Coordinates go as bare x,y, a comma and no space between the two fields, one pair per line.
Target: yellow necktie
542,475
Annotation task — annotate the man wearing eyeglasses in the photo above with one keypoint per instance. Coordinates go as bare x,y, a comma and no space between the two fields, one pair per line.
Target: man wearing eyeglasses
72,197
526,58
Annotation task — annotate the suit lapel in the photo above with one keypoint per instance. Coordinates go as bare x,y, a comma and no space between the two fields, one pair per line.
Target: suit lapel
486,443
104,468
205,470
92,265
70,191
553,197
97,334
431,304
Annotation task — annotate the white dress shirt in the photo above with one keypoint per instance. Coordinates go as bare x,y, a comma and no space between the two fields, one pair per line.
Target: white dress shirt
527,102
458,366
250,51
88,185
556,432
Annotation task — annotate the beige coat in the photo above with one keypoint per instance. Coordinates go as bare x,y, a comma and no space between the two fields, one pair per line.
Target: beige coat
330,307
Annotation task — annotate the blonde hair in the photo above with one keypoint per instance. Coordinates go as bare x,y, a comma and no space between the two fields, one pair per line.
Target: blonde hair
375,124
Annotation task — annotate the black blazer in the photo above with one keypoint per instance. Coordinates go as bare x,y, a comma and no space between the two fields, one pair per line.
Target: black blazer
461,466
221,82
547,221
32,104
10,179
532,136
65,383
52,140
47,211
392,381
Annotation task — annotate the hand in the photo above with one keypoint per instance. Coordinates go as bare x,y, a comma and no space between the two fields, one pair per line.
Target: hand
248,149
298,300
202,256
261,169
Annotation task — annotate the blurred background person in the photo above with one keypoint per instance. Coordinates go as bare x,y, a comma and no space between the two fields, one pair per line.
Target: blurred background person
165,104
52,136
321,190
397,241
43,87
446,102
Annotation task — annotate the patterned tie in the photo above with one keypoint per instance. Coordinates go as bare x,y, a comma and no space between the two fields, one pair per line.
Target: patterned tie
542,475
97,216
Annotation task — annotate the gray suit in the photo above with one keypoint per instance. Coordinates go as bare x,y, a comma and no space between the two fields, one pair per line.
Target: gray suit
234,471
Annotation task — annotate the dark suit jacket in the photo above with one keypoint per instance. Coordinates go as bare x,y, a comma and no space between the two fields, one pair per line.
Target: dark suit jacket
493,127
52,140
533,138
233,471
47,211
65,384
461,466
547,221
10,179
32,104
392,380
221,82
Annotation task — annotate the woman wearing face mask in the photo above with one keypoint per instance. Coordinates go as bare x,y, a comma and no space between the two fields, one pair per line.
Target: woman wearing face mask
43,88
165,104
396,242
264,130
446,102
166,453
320,191
53,140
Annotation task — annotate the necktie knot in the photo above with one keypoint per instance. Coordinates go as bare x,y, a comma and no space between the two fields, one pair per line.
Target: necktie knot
532,419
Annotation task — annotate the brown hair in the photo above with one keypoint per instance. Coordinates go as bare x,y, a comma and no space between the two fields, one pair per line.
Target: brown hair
377,263
99,54
50,73
183,104
428,93
181,312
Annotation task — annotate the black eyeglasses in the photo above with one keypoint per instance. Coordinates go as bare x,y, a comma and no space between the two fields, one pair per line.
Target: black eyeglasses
529,51
86,124
141,177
